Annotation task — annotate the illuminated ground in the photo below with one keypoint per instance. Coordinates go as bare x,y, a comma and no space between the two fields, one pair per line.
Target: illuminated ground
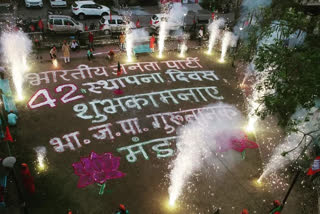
144,189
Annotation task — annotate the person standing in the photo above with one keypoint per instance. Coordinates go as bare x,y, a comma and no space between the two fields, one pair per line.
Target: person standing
27,178
40,25
138,24
91,38
200,36
90,54
66,51
122,39
12,118
53,53
152,41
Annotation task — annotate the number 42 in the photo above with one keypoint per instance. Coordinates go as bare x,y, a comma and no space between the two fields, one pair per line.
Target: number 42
48,100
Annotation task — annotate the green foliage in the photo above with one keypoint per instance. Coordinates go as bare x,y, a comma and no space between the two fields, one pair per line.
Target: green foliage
293,74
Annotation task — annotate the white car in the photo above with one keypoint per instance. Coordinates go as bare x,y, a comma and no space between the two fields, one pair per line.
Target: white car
33,3
114,25
157,18
82,9
58,3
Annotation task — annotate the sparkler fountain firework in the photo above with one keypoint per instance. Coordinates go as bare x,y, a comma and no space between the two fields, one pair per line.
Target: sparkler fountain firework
202,134
173,17
293,145
214,30
41,154
162,37
229,39
16,47
129,43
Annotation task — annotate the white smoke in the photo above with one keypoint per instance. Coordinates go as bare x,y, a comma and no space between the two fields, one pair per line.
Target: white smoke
16,47
201,134
133,37
311,125
173,20
228,40
214,30
248,8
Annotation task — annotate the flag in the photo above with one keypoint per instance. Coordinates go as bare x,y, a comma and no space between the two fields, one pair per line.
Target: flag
7,136
315,166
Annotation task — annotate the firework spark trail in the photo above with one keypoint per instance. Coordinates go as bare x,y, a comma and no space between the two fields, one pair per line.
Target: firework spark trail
229,39
16,47
214,30
162,37
279,161
173,18
41,154
197,134
129,43
183,49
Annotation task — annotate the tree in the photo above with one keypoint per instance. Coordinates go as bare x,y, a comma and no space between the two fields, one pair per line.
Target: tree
293,73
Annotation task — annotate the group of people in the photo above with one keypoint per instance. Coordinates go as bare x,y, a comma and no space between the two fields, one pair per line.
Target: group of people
65,50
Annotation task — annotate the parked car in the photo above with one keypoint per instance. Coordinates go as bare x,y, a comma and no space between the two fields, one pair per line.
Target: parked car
114,25
81,9
58,3
33,3
64,24
171,26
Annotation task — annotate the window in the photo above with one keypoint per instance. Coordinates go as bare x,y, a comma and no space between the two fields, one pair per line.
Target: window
154,17
95,6
74,21
112,22
68,22
51,21
87,6
120,22
57,21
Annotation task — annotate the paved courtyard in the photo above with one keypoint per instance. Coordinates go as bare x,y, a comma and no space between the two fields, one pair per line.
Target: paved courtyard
74,109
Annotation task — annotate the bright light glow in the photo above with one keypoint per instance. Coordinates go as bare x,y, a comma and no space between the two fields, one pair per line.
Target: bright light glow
170,206
183,50
17,47
251,124
201,133
41,154
214,30
229,39
221,60
129,42
257,183
259,180
55,63
41,165
162,37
